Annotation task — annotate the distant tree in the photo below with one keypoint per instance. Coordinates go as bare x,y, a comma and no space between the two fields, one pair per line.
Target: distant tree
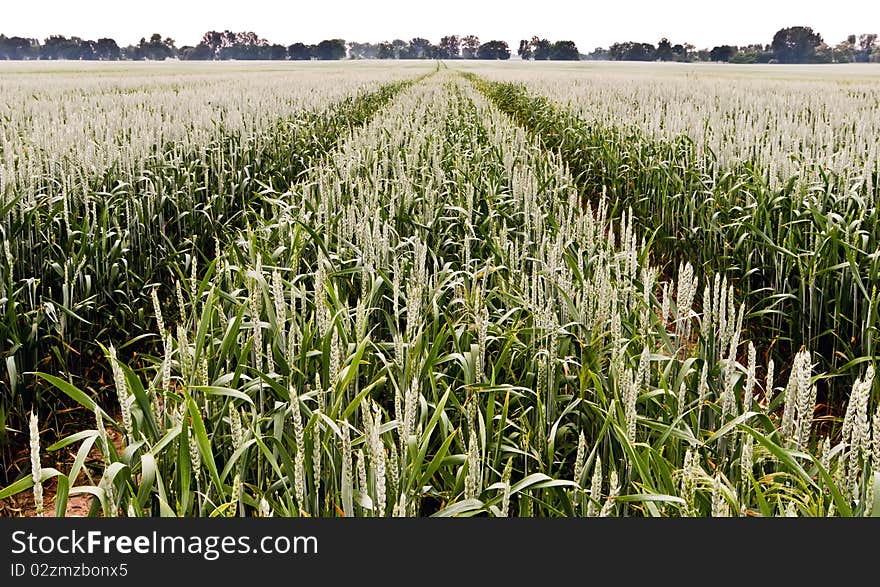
276,52
330,49
449,47
795,44
214,40
299,52
845,51
754,53
136,52
470,46
745,58
564,51
254,46
630,51
867,44
200,52
664,50
156,49
700,55
618,51
51,47
419,48
245,45
599,54
525,49
107,50
18,48
401,48
823,54
362,50
749,57
875,54
129,53
643,52
540,49
250,39
386,50
680,52
494,50
60,47
88,50
722,53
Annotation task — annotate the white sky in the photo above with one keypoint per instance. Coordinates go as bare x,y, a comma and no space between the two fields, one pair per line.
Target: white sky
588,23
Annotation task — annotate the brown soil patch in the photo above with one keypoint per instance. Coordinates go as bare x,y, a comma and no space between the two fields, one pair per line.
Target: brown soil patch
22,505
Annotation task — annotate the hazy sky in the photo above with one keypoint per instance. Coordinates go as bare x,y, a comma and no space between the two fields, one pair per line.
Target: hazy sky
589,24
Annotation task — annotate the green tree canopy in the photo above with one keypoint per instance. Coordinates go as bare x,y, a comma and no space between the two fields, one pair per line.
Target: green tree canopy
540,48
470,45
299,52
564,51
494,50
450,47
795,44
330,49
722,53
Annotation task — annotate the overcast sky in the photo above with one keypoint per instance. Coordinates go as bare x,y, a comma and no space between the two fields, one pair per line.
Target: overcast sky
588,23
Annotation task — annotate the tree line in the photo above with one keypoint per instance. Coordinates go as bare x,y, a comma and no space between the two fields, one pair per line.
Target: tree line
797,44
225,45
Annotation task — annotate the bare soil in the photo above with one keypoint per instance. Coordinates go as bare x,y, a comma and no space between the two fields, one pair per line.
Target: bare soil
22,505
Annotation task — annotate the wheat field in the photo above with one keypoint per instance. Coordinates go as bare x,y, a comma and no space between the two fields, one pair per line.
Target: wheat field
439,289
